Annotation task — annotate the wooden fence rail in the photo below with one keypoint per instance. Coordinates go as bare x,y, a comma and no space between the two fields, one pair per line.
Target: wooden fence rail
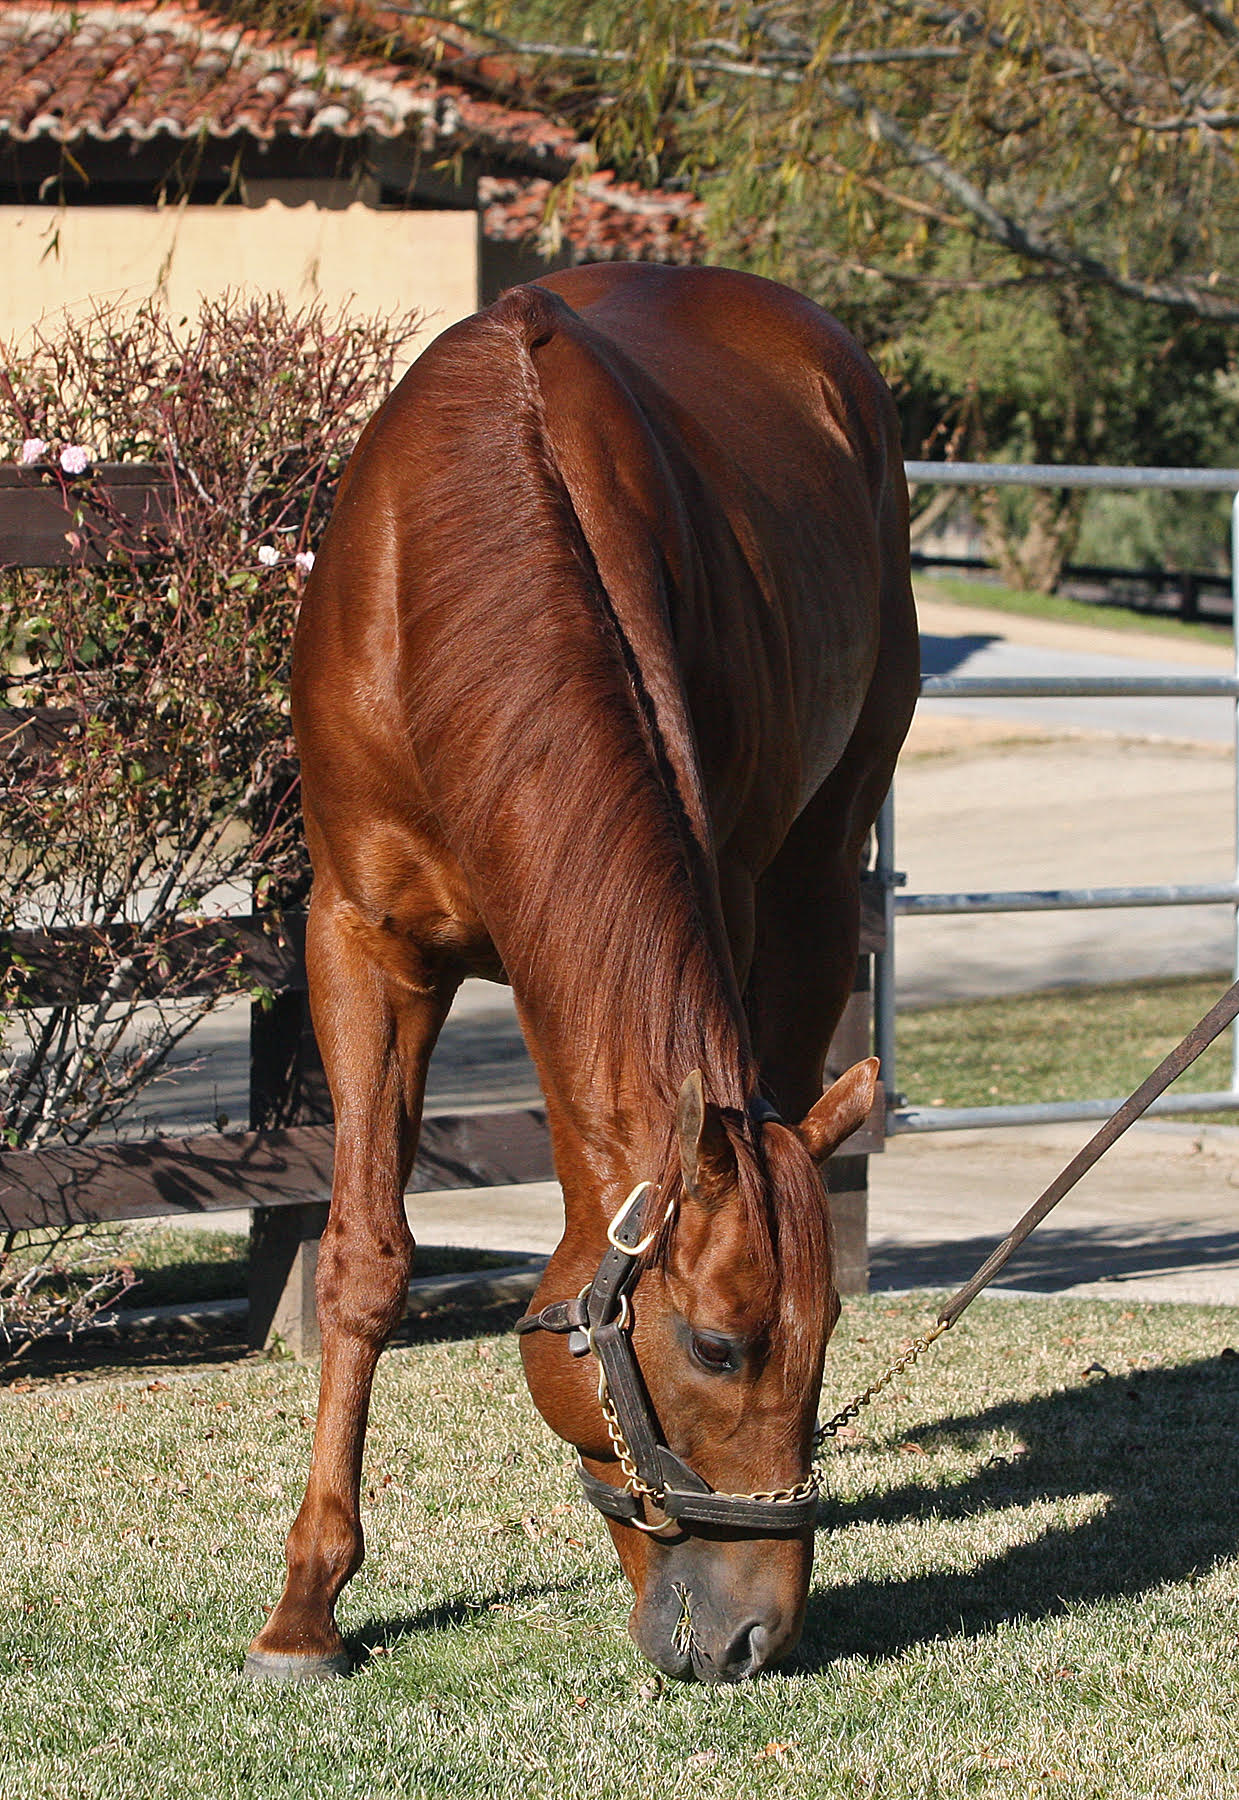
280,1169
39,508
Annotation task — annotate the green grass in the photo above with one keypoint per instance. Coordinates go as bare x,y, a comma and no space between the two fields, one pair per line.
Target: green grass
1057,607
1026,1585
1080,1043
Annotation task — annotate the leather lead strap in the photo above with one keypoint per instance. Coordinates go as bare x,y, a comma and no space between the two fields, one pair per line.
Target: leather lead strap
1181,1057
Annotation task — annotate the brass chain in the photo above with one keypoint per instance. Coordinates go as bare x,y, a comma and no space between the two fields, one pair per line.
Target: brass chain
632,1479
853,1408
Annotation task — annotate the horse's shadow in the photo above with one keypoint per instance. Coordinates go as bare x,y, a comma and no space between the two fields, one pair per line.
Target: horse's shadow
945,655
381,1634
1156,1451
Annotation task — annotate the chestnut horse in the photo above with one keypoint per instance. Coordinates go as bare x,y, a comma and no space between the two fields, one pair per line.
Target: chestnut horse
599,682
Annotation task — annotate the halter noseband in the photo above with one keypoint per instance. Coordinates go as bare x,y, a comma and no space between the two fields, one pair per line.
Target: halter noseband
598,1321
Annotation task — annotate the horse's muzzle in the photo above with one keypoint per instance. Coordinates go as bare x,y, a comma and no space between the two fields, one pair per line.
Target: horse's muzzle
686,1632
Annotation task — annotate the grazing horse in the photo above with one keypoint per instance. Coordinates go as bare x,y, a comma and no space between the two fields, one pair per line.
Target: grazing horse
599,682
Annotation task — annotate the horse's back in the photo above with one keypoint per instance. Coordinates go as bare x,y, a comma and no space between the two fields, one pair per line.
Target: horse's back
760,363
773,496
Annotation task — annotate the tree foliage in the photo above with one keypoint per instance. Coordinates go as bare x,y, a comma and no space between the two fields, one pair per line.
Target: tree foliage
1072,374
161,793
943,145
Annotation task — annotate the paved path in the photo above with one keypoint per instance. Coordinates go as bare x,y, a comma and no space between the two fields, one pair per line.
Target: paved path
1075,812
1157,1219
966,640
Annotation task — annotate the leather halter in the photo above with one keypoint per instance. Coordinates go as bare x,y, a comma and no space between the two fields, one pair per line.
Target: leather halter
599,1320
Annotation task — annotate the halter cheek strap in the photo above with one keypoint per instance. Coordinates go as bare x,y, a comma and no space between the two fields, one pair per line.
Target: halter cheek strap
599,1321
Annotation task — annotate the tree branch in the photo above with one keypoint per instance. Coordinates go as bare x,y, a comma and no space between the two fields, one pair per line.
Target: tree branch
1215,17
1025,241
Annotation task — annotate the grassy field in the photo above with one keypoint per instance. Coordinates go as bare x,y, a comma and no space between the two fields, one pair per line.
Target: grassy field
1059,607
1075,1044
1025,1585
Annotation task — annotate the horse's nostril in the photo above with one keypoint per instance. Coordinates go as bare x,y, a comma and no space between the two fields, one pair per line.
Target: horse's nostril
747,1653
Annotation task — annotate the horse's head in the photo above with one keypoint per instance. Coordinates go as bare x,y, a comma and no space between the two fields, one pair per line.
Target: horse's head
707,1319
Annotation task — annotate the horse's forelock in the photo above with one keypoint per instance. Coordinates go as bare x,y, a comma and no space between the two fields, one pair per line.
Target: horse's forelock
786,1235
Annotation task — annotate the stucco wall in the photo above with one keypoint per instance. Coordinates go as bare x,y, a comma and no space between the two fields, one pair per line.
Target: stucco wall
344,254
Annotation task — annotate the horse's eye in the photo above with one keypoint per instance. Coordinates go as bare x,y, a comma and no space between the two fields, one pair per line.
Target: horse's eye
713,1353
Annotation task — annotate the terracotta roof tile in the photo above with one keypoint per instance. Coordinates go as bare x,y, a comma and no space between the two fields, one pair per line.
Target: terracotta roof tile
597,219
111,71
75,69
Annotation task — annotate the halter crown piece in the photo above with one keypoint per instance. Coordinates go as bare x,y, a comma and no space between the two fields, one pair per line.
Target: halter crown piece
598,1322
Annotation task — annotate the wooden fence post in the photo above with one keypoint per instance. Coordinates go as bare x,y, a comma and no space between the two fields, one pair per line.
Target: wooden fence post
283,1264
288,1087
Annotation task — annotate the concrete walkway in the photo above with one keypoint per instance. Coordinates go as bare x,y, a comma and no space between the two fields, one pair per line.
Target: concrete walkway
1157,1219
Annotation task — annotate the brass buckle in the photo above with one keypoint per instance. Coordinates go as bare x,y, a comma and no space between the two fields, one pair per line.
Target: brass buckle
634,1199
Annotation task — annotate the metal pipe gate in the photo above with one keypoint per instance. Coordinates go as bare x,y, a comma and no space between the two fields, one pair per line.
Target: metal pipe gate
901,1118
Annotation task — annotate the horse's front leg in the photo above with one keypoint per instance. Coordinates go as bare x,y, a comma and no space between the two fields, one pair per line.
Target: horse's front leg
376,1031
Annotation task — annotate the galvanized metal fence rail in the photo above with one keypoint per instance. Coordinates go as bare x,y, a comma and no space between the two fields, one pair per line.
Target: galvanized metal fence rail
903,1118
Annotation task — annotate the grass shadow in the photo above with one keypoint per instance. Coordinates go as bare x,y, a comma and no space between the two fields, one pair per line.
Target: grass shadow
91,1357
1157,1447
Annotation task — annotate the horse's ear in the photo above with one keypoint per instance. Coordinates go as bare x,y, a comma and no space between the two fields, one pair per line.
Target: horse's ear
842,1109
707,1160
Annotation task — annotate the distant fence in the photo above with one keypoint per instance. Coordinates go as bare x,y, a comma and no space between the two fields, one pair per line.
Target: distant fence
1187,585
903,1118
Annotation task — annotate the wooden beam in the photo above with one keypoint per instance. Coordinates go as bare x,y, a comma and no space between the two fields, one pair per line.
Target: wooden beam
38,510
215,1171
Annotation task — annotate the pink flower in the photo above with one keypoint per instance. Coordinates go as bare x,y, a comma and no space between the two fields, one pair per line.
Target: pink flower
32,450
268,555
304,560
75,459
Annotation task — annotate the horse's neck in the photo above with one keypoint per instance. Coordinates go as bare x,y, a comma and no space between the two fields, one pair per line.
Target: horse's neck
612,1120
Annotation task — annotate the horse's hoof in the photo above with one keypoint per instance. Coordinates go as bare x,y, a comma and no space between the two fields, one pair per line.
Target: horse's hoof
274,1665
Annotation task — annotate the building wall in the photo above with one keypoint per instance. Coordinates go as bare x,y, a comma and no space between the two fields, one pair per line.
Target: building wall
315,241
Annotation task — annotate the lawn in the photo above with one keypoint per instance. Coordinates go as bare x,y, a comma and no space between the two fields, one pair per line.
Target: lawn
1073,1044
1026,1584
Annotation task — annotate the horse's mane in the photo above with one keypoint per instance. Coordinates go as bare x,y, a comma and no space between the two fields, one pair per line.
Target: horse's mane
544,764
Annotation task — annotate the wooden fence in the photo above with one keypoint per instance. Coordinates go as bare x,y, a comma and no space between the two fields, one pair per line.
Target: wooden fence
280,1169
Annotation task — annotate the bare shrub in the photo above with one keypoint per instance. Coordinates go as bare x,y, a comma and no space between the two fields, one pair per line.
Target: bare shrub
162,793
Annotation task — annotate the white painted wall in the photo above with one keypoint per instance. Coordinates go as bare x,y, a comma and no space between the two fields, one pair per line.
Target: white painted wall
346,255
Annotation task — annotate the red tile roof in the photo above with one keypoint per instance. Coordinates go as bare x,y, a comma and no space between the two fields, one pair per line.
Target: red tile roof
77,69
595,219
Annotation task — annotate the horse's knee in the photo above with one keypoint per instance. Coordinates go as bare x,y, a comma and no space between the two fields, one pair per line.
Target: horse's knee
363,1282
325,1547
